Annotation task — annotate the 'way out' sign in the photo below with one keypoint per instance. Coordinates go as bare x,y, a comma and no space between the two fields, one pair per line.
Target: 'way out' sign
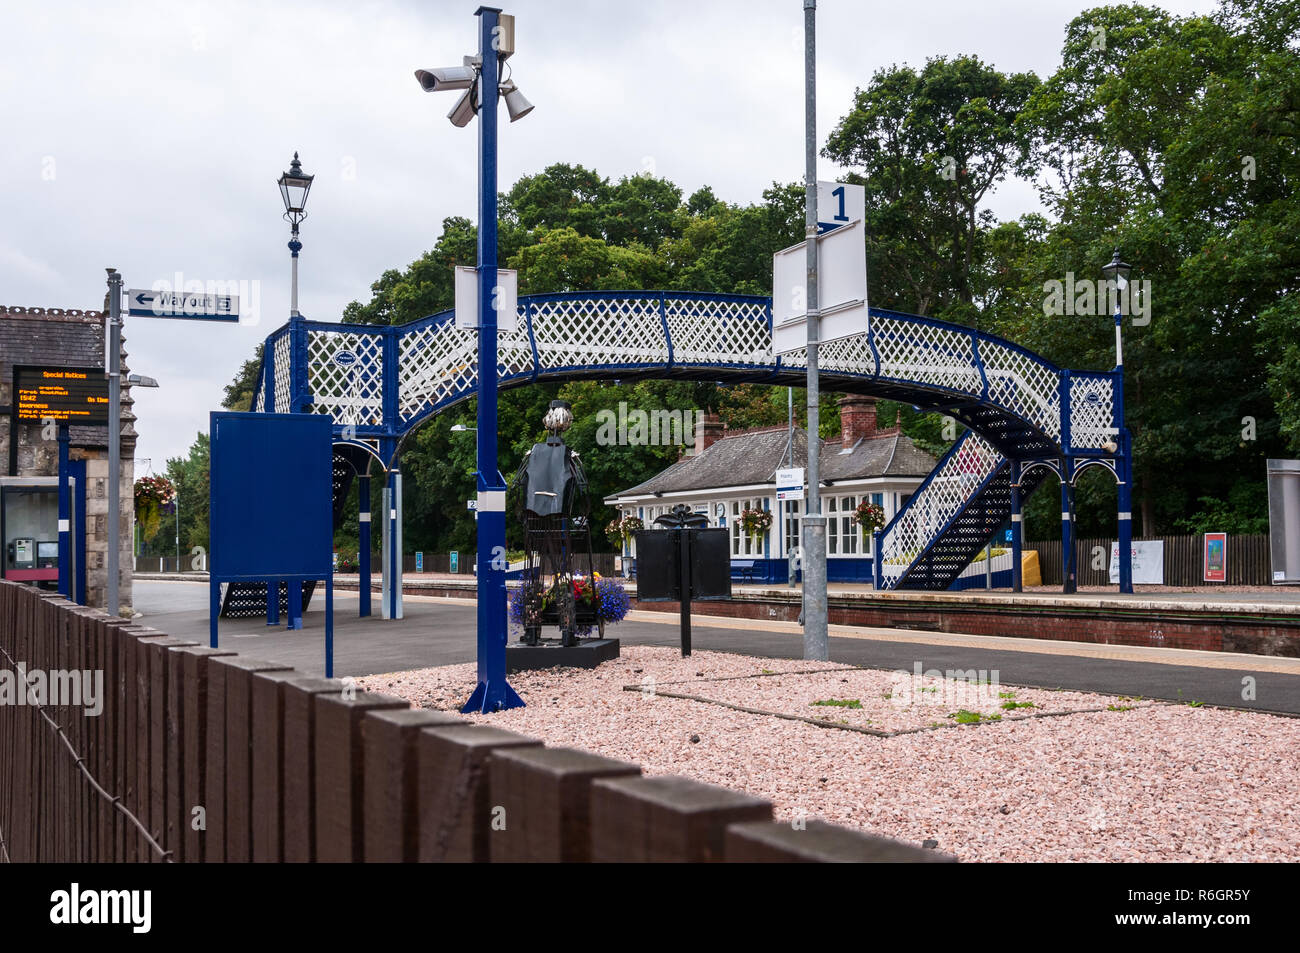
182,304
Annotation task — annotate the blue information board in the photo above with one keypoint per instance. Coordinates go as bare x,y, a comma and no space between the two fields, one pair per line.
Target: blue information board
271,508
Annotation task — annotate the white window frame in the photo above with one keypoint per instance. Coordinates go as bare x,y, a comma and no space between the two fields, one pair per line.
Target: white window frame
743,545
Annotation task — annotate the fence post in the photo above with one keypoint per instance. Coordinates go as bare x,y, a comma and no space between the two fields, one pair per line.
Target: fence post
818,842
299,701
391,806
339,773
455,809
669,819
238,802
545,794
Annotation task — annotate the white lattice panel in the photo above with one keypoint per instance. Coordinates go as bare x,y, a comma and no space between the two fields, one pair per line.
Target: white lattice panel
927,354
349,390
952,486
1024,386
436,360
850,355
283,372
1092,412
599,332
718,332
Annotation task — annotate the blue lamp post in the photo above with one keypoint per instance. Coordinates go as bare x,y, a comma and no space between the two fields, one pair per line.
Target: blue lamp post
481,83
1118,272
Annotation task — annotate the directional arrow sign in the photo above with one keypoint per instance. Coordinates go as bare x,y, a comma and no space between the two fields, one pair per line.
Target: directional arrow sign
194,305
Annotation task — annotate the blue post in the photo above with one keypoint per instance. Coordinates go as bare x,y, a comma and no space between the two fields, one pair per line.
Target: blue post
363,505
493,692
878,573
394,517
1069,581
79,533
65,518
214,609
273,602
1123,466
1017,531
294,590
1125,474
329,626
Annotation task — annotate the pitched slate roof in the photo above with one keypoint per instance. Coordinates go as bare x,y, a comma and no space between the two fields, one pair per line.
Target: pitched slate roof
62,337
753,456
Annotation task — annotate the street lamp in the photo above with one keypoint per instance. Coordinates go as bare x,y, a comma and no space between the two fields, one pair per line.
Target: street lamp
294,186
482,83
1118,272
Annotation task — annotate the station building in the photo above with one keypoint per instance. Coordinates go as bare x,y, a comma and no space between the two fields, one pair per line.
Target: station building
29,454
729,472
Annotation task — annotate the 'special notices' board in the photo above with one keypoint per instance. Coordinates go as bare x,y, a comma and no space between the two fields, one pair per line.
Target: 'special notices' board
69,395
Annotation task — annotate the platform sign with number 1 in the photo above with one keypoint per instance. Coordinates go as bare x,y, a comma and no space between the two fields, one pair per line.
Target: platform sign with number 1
839,204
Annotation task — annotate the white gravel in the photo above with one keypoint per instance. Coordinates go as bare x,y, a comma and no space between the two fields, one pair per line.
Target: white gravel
1156,782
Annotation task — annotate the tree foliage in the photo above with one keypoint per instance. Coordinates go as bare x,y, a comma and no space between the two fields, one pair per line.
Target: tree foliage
1170,138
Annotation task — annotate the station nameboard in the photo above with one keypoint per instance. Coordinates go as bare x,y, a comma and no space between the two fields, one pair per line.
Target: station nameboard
69,395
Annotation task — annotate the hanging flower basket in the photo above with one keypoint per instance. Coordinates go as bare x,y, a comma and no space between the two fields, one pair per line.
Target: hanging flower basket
870,516
152,495
755,523
620,530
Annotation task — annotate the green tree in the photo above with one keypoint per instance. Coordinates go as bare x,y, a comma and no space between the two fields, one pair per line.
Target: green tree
929,146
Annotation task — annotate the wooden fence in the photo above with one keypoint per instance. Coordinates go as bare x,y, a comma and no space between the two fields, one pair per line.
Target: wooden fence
1248,561
200,754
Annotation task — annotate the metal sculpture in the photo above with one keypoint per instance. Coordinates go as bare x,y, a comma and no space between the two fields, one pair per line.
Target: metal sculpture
554,508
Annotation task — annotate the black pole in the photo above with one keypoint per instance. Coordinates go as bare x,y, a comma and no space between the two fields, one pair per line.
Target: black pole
684,535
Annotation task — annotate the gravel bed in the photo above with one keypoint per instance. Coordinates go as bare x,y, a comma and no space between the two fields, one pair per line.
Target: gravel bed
1156,782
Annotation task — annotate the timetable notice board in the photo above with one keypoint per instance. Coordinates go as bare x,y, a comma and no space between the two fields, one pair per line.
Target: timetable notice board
69,395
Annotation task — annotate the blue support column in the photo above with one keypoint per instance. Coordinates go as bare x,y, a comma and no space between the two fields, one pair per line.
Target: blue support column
1124,470
878,573
493,692
329,626
1068,573
79,532
394,517
65,517
268,375
1017,530
294,589
214,609
363,532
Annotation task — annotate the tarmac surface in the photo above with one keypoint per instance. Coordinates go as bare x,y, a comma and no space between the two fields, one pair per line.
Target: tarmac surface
439,631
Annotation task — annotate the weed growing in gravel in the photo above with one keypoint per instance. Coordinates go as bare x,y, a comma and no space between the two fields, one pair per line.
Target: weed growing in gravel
1010,705
1006,694
965,717
840,702
1119,707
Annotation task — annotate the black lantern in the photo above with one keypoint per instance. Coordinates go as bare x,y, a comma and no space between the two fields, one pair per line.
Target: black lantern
294,186
1117,271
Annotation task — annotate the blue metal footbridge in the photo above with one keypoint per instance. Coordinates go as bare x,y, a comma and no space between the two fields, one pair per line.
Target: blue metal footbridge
1026,418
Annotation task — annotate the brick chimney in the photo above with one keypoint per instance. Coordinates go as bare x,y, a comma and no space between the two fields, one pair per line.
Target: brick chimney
708,431
857,418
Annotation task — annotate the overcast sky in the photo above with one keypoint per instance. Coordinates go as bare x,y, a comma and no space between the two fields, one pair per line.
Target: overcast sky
149,136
